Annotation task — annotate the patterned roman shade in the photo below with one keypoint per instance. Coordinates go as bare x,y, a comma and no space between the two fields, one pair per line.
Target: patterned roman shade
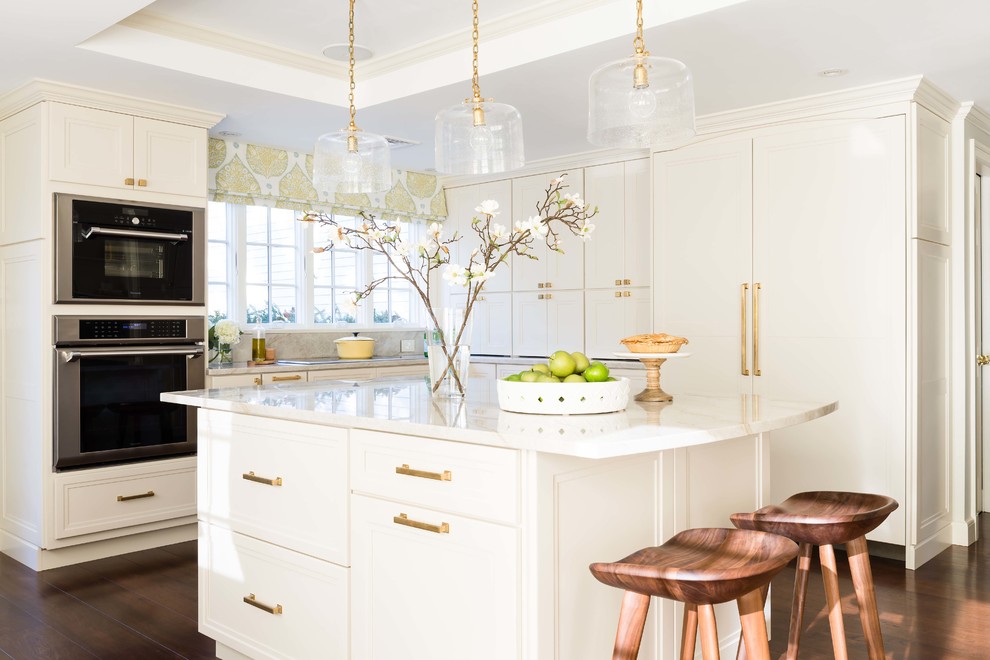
268,176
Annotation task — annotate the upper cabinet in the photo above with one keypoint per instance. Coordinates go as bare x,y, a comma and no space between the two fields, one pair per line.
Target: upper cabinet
461,205
618,253
556,270
115,150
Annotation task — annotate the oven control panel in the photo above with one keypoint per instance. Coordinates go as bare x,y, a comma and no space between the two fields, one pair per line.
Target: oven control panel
132,329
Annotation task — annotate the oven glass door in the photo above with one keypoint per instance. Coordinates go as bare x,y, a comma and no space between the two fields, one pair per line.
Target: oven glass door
111,263
109,406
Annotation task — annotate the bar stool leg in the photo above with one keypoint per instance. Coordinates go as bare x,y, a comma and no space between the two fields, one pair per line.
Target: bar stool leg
831,579
709,632
741,648
754,626
797,600
862,577
689,631
632,620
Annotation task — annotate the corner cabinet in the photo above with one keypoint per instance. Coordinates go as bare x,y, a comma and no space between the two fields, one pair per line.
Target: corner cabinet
117,150
787,257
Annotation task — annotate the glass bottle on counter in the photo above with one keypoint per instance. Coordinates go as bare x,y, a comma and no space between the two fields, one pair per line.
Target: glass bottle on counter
258,344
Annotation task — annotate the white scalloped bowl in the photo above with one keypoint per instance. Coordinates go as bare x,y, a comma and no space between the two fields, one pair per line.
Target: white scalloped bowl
563,398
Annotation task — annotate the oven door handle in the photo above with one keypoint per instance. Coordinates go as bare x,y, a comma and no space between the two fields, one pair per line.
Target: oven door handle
134,233
73,355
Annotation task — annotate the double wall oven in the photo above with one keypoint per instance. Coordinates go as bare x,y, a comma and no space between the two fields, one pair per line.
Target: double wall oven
111,368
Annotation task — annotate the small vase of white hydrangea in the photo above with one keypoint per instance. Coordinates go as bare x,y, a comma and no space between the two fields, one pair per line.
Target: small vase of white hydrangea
418,262
223,335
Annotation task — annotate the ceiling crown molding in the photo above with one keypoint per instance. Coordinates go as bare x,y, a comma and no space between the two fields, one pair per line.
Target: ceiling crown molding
937,100
975,116
39,90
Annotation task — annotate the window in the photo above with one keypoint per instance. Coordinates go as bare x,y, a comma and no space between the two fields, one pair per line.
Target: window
262,270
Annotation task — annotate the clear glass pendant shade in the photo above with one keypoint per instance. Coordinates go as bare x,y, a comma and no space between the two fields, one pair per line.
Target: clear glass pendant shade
339,167
465,147
641,102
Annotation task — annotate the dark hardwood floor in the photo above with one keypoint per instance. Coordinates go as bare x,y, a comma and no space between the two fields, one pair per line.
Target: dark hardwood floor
143,605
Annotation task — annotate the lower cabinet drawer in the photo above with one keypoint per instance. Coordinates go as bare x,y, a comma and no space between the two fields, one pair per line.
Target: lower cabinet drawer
279,481
102,499
268,602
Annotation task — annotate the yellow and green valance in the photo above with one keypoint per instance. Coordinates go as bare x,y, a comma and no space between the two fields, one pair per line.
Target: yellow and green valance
268,176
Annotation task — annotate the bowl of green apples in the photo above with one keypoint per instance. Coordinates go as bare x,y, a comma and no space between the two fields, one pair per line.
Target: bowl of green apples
567,384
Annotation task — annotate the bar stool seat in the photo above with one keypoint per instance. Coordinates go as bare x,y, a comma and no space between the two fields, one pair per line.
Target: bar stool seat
701,568
825,519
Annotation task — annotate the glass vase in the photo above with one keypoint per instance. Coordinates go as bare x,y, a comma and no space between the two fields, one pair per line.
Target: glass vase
224,355
448,351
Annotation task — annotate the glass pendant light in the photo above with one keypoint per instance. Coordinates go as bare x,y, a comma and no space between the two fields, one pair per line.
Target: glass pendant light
350,160
478,136
641,101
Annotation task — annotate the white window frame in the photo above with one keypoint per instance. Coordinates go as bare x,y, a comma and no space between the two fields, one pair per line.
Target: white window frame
236,219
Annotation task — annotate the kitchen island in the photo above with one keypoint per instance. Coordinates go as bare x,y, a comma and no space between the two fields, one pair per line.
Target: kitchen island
371,521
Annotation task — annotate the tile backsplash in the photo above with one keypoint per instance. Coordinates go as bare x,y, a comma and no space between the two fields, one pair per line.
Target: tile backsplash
319,343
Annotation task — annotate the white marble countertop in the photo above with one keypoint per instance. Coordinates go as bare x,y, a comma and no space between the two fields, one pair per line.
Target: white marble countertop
404,405
237,368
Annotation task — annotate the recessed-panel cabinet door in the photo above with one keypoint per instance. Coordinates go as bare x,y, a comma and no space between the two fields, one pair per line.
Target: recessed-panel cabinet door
561,271
605,323
565,330
169,158
492,324
431,585
638,235
501,192
92,146
529,324
604,265
703,261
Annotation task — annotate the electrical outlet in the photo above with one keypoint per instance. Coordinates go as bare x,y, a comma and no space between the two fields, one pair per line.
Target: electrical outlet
408,345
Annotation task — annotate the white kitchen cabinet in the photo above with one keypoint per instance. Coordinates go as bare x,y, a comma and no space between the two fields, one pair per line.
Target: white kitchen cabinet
551,269
115,150
461,204
781,255
491,322
261,378
432,585
546,322
354,375
612,315
618,254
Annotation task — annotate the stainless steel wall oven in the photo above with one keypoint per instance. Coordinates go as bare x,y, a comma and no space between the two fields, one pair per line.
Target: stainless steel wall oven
109,375
123,252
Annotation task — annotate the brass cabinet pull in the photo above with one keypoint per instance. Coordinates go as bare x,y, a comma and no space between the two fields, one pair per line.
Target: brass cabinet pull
627,282
756,329
626,294
539,285
983,360
257,380
539,297
276,379
618,294
548,285
128,498
742,306
403,519
423,474
251,476
549,296
252,600
618,283
128,181
142,182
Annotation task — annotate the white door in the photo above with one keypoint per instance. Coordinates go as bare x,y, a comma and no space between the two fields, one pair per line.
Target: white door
702,253
829,235
981,215
501,192
604,265
605,322
529,324
492,324
638,234
529,274
565,321
92,146
168,158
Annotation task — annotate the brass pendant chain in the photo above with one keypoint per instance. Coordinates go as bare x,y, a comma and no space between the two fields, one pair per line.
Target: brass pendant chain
638,44
474,36
350,49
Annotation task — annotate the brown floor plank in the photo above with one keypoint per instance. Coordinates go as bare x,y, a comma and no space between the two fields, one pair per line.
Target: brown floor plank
23,636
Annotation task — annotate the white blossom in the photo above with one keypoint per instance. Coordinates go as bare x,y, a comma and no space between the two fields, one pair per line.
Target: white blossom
434,230
573,199
488,207
496,231
456,275
376,234
401,248
478,272
227,332
584,232
557,181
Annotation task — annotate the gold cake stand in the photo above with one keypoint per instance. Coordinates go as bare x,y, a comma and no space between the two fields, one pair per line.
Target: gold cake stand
652,362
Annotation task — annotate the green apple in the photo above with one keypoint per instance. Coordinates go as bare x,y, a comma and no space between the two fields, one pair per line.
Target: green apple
529,376
547,378
542,368
580,362
515,378
561,364
575,378
596,373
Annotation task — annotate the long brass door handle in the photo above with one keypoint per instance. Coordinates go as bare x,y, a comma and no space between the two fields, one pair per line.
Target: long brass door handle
279,379
743,369
251,476
756,329
403,519
423,474
253,601
139,496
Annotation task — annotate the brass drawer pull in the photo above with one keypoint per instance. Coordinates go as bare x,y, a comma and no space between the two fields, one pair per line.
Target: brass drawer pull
539,296
252,600
142,182
257,380
548,285
251,476
403,519
627,282
423,474
626,294
128,181
539,285
128,498
276,379
618,294
618,283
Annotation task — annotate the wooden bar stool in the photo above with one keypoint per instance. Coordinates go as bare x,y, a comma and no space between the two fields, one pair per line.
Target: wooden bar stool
700,568
826,518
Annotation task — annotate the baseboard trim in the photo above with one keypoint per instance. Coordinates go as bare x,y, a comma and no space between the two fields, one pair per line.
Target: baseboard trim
40,559
965,532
